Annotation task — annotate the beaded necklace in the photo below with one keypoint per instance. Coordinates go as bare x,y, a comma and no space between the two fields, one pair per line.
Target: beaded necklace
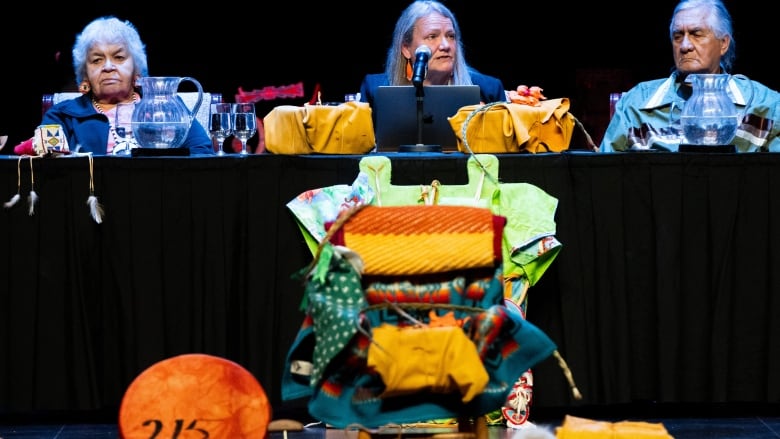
111,128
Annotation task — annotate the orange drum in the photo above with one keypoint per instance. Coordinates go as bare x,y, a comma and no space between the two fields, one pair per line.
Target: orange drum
194,396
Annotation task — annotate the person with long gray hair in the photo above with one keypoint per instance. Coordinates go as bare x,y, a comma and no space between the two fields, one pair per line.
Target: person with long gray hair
430,24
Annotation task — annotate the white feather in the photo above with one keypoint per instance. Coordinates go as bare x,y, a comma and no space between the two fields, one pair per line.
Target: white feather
95,209
32,200
12,202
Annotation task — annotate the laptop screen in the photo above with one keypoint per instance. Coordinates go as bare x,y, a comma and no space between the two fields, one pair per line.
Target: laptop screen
395,115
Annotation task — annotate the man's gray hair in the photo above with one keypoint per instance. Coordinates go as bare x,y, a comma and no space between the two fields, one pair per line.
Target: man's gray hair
719,21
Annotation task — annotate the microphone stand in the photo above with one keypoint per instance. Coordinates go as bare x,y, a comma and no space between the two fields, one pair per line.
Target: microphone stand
420,98
420,146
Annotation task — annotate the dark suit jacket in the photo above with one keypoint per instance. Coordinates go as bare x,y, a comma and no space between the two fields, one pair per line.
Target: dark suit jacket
490,89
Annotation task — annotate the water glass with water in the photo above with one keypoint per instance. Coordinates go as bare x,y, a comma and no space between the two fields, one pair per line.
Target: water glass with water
244,123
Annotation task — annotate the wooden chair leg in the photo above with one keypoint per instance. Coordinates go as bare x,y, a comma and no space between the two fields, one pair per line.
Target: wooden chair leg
477,426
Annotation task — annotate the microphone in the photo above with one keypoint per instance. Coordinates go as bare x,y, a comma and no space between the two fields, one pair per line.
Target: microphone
421,56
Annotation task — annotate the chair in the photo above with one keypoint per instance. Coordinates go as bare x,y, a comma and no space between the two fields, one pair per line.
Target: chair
189,99
402,281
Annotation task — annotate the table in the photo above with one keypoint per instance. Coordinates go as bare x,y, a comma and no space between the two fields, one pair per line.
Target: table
664,290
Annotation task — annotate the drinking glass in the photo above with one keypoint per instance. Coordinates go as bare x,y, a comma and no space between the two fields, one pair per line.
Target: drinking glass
220,125
244,123
124,140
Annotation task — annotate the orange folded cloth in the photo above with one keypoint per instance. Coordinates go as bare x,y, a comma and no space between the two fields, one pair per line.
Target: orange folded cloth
582,428
418,239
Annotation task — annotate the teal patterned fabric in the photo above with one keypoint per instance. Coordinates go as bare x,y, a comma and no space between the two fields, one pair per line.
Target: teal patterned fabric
327,362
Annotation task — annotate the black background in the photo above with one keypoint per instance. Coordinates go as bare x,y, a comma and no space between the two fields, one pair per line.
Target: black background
225,45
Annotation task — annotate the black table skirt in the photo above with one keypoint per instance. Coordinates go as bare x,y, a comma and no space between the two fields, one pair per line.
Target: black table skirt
666,289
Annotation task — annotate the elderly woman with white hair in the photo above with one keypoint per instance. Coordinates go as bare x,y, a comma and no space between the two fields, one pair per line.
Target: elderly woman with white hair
108,59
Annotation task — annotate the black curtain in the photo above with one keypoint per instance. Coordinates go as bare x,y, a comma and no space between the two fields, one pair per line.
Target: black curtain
663,290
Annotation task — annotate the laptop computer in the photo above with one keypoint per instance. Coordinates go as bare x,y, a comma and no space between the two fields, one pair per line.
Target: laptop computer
395,116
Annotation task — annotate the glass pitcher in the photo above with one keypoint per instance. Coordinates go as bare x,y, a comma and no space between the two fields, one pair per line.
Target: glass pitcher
709,116
161,119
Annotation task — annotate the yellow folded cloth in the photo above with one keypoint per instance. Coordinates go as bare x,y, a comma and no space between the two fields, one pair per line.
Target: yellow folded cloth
284,132
582,428
508,127
320,129
437,359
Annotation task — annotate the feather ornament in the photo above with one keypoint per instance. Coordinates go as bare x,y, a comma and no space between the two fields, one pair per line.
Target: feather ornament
12,202
32,200
95,209
15,199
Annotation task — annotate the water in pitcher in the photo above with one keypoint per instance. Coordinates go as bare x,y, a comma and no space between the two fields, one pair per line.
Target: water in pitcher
702,130
709,117
161,134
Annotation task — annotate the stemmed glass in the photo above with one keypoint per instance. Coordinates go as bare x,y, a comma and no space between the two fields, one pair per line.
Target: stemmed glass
244,123
220,125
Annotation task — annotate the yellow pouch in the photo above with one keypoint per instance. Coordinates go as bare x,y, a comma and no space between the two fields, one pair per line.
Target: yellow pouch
320,129
437,359
503,127
284,133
